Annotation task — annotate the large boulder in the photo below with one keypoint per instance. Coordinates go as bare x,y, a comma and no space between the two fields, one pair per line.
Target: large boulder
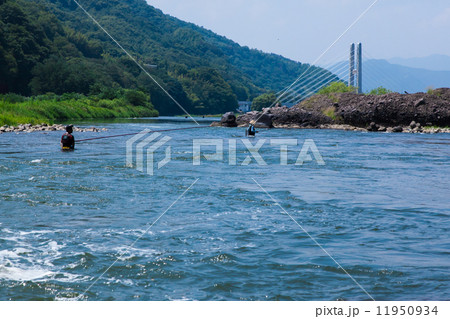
228,120
264,121
397,129
373,127
258,119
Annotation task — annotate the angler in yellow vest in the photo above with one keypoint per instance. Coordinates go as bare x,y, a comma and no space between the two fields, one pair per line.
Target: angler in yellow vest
67,140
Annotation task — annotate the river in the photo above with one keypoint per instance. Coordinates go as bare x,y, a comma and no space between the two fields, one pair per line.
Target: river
373,222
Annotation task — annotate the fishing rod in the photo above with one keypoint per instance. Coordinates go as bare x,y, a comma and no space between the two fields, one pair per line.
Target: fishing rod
151,131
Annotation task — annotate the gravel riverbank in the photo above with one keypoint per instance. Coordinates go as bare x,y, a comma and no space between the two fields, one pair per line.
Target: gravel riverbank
28,128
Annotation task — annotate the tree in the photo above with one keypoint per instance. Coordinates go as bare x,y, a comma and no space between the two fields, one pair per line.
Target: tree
137,98
209,92
60,76
264,101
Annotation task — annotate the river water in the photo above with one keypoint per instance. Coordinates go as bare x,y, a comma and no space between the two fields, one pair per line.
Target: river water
84,225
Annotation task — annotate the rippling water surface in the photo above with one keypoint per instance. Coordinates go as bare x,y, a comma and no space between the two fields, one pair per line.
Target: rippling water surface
379,207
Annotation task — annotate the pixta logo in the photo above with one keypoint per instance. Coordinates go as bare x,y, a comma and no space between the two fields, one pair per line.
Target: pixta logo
141,151
253,151
143,146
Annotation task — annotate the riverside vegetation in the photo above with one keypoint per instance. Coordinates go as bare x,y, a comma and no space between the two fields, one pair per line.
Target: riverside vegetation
52,46
16,109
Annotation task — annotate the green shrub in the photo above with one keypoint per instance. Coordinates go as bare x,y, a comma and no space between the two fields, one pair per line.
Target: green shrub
13,98
331,113
336,87
45,97
72,96
434,92
380,91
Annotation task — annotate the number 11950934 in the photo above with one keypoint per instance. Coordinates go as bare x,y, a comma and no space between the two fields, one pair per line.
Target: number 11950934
407,310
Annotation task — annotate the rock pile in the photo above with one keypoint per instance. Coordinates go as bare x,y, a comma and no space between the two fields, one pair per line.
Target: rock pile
395,109
393,112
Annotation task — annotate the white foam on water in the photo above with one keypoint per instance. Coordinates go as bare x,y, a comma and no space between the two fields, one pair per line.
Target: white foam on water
75,298
14,266
7,254
23,274
130,253
37,160
69,295
26,262
183,298
17,265
53,245
67,277
22,251
16,253
35,232
125,282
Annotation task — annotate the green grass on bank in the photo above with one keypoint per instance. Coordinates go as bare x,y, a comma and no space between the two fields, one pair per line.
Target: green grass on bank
16,110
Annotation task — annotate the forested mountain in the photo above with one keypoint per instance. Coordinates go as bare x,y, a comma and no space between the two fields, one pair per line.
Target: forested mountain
53,46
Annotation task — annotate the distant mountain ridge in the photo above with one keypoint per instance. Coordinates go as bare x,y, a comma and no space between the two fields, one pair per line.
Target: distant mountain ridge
398,78
435,62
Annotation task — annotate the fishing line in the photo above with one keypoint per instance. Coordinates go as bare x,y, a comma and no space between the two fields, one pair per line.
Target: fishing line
151,131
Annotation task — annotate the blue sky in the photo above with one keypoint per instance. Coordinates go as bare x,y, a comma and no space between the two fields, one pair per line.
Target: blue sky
303,29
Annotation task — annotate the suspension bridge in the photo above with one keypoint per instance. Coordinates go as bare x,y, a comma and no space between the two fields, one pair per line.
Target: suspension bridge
354,68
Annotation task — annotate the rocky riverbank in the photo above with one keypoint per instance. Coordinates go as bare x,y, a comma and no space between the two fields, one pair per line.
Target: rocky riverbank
412,113
28,128
413,128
